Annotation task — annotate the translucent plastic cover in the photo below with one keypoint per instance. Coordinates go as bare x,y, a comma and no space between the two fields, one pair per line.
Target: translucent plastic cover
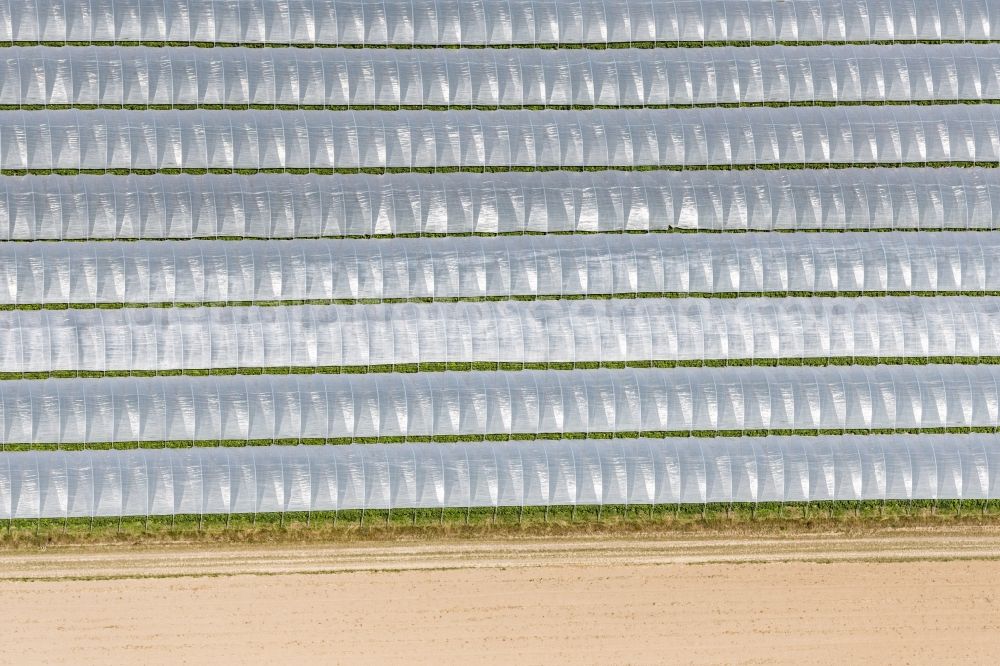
54,207
473,404
57,484
222,272
404,22
544,332
487,77
414,139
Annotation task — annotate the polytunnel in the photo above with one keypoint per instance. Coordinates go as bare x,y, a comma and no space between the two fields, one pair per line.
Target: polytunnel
272,205
473,404
417,139
233,272
64,484
183,76
585,332
446,262
495,22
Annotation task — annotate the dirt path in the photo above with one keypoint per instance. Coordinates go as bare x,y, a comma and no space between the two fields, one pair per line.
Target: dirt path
916,597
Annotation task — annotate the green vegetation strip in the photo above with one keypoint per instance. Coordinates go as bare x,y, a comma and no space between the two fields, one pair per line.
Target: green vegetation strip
517,437
479,107
480,234
379,524
490,366
598,46
32,307
378,171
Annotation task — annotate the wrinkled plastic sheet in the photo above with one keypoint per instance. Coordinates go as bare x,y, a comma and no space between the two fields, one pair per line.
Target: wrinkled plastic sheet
473,403
174,76
602,331
203,271
53,207
418,139
404,22
58,484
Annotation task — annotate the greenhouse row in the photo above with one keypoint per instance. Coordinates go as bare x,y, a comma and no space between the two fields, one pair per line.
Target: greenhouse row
473,404
172,76
628,265
495,22
53,207
418,139
249,480
442,261
542,332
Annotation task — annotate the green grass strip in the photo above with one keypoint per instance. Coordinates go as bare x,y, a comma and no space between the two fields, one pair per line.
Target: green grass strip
480,107
34,307
516,437
380,524
482,234
489,366
378,171
598,46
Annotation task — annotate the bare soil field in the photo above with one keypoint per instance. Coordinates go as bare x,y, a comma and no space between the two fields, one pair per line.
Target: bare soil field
891,596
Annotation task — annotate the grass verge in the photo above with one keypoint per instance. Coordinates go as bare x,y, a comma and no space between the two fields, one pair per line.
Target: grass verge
489,107
488,366
490,437
378,171
415,524
600,46
495,234
27,307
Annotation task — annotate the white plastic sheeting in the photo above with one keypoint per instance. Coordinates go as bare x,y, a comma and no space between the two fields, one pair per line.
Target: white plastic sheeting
604,331
57,484
512,77
472,404
106,139
404,22
141,272
51,207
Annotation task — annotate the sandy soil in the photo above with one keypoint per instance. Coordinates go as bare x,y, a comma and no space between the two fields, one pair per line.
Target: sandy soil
909,597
